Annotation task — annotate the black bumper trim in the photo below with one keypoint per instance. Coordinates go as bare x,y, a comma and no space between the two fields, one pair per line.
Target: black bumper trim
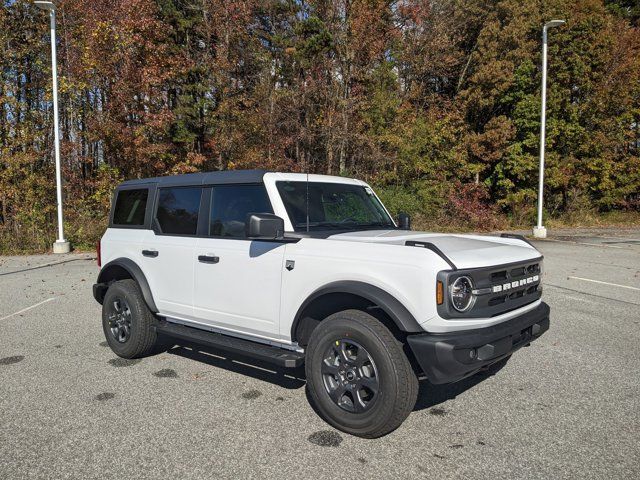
449,357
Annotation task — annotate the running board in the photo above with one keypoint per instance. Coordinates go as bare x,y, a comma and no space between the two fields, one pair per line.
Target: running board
267,353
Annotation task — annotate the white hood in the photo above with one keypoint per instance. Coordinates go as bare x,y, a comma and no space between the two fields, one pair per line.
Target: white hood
465,251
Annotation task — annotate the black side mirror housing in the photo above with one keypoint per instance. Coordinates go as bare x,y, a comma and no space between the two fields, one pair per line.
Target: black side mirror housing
404,221
264,226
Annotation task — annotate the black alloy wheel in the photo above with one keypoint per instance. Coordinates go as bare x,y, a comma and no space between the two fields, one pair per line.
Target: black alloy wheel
350,376
119,315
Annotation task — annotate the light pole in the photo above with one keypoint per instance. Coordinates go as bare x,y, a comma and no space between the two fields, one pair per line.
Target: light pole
60,245
539,231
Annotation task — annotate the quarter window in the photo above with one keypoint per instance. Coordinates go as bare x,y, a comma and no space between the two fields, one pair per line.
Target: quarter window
130,208
230,205
178,210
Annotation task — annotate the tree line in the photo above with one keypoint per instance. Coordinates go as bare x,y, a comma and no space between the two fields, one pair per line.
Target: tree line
436,103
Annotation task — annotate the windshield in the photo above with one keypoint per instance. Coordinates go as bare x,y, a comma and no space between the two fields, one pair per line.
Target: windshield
338,206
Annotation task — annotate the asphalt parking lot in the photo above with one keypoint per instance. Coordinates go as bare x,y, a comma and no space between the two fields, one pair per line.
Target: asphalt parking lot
566,407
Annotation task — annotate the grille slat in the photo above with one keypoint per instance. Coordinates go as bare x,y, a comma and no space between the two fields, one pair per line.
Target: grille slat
498,276
517,272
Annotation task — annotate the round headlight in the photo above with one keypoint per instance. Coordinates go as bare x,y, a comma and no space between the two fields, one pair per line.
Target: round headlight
461,294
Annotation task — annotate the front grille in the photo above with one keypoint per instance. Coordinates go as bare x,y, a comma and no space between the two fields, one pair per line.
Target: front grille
500,288
510,275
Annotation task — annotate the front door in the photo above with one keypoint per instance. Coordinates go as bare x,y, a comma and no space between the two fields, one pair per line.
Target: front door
237,281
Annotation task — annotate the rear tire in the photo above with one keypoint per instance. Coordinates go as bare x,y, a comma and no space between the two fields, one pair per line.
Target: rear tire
358,376
127,321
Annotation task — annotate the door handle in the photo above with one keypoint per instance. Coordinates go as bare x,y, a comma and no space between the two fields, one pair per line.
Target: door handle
208,259
150,253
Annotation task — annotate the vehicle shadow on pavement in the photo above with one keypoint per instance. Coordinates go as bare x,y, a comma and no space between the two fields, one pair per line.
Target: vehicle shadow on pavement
290,378
430,395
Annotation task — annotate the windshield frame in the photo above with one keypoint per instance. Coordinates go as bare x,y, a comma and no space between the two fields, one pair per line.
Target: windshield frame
297,219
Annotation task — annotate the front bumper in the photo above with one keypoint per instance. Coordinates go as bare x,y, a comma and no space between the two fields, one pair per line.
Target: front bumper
449,357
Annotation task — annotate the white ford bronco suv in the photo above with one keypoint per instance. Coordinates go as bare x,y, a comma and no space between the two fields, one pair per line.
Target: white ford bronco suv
296,269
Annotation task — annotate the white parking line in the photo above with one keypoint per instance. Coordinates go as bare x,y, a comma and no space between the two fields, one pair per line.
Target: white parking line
50,264
622,239
583,243
603,283
28,308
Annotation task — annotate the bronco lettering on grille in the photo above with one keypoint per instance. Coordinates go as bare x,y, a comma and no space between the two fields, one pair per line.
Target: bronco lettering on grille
515,284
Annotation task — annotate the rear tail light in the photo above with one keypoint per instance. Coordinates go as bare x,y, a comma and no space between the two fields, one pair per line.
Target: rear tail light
98,254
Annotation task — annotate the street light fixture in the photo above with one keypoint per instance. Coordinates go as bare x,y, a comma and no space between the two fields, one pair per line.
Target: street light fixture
539,231
60,245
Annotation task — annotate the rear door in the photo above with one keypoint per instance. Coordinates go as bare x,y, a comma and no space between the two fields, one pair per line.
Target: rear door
167,250
237,281
130,218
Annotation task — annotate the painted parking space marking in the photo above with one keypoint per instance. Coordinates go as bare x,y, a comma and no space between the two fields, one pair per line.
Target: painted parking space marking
582,243
44,265
28,308
603,297
604,283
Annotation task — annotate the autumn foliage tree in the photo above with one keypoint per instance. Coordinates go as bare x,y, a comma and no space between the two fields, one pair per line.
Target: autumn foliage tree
434,102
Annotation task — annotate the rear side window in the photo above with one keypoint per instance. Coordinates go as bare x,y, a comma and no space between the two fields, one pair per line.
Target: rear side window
131,206
178,210
230,205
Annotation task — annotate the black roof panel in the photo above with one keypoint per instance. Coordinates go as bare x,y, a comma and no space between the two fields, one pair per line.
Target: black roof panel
204,178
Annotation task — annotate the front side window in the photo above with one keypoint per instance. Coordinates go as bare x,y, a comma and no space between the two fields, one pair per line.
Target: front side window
230,205
332,206
178,209
130,208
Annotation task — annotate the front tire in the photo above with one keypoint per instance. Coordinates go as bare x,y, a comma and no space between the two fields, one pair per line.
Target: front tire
127,321
358,376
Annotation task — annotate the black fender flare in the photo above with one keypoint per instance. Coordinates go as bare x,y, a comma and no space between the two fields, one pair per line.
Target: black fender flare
108,274
398,313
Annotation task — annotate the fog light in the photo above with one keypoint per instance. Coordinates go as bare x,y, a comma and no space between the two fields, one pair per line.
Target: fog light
473,354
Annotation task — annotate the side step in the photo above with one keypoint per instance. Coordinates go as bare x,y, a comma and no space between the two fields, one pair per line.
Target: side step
267,353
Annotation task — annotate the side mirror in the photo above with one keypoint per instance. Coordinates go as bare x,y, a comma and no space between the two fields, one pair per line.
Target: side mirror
404,221
264,226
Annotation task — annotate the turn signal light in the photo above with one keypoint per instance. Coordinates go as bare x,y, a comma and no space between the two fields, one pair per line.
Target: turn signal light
439,293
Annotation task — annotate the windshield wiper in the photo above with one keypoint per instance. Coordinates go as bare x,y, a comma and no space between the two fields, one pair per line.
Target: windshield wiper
376,224
322,224
343,225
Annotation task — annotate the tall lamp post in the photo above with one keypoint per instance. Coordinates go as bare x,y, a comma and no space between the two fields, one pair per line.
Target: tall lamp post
539,231
60,245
